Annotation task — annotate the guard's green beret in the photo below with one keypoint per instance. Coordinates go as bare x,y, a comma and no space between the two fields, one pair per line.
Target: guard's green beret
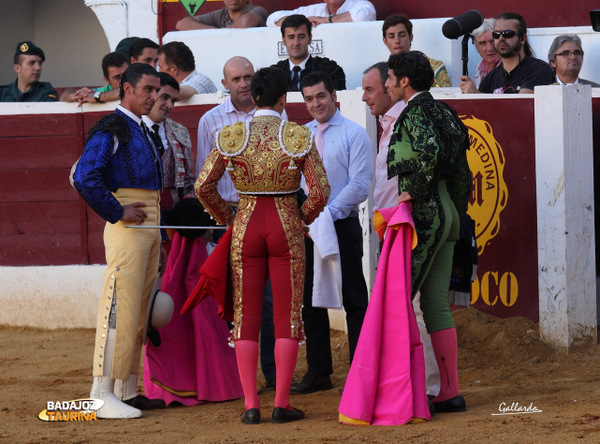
28,48
124,45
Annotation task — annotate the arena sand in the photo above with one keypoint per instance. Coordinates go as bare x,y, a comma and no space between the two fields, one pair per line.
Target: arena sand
500,361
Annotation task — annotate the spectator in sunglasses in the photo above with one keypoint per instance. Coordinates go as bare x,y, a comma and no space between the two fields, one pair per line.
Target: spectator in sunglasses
566,58
519,71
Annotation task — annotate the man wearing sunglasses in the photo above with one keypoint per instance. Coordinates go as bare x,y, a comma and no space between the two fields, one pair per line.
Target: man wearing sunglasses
519,71
566,58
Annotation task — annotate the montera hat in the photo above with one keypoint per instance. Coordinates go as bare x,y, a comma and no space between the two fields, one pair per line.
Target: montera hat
28,48
188,213
158,314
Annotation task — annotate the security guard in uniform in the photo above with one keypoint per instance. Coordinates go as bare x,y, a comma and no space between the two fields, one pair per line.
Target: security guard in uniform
27,87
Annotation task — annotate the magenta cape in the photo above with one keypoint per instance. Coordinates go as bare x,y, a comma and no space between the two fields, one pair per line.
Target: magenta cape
386,382
194,362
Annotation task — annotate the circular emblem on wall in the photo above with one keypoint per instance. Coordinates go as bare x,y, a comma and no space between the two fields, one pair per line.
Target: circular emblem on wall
489,193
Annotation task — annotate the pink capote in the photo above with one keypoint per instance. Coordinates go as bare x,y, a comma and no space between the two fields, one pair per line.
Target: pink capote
194,359
386,382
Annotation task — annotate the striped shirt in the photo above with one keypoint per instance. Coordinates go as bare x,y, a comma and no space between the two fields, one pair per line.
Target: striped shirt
211,122
201,83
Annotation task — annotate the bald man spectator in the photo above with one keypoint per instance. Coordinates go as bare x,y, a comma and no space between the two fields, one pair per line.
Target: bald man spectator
235,14
566,58
177,60
330,11
484,44
28,88
519,72
144,51
239,107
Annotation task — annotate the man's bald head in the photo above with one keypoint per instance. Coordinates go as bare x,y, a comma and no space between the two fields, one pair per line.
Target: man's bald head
237,63
237,73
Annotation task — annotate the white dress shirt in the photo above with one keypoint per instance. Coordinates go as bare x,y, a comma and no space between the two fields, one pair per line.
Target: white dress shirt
161,129
348,160
386,193
360,11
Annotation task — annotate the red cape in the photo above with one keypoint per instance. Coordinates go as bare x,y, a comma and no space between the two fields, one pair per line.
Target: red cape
215,280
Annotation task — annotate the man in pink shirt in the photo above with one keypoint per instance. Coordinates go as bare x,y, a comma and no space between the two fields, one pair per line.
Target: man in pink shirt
381,105
385,194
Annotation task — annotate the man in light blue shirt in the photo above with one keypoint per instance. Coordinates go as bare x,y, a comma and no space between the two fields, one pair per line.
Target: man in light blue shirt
347,154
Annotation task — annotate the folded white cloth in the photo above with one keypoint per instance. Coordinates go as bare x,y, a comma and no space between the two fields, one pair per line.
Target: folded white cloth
327,282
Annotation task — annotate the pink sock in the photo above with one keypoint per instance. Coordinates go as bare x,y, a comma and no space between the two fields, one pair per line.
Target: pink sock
445,348
247,359
286,354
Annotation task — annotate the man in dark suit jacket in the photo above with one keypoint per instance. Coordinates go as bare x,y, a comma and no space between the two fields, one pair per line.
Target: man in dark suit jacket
296,33
566,58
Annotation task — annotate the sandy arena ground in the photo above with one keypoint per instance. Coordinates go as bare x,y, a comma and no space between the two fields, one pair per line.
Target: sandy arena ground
500,360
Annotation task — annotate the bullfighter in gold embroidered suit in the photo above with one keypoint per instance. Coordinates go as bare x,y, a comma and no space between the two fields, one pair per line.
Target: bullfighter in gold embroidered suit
266,159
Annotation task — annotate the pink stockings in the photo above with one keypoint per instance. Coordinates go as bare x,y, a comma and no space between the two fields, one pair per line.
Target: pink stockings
286,353
247,358
445,348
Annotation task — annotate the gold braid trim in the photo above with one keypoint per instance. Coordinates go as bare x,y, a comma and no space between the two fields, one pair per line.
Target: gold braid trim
287,208
206,188
245,210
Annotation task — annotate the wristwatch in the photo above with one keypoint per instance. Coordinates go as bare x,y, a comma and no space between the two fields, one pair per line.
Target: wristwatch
97,97
330,19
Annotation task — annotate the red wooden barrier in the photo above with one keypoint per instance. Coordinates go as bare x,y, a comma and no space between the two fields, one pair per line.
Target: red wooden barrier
503,204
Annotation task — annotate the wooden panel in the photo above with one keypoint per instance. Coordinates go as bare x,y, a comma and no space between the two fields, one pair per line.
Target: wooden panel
503,204
35,152
189,116
32,125
36,186
89,118
40,249
298,113
28,218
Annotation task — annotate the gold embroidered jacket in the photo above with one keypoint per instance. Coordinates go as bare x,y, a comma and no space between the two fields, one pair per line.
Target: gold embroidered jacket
266,156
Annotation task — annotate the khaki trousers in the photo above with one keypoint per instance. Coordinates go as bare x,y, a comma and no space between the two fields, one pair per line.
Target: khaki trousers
132,257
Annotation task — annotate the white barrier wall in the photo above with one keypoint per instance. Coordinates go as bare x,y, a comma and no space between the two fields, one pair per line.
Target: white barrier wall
354,46
565,201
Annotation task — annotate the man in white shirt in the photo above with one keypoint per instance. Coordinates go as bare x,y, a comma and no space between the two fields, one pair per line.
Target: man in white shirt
177,60
173,141
331,11
237,73
347,153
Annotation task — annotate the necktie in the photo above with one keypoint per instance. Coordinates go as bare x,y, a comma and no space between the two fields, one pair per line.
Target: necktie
295,86
157,140
320,139
155,148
